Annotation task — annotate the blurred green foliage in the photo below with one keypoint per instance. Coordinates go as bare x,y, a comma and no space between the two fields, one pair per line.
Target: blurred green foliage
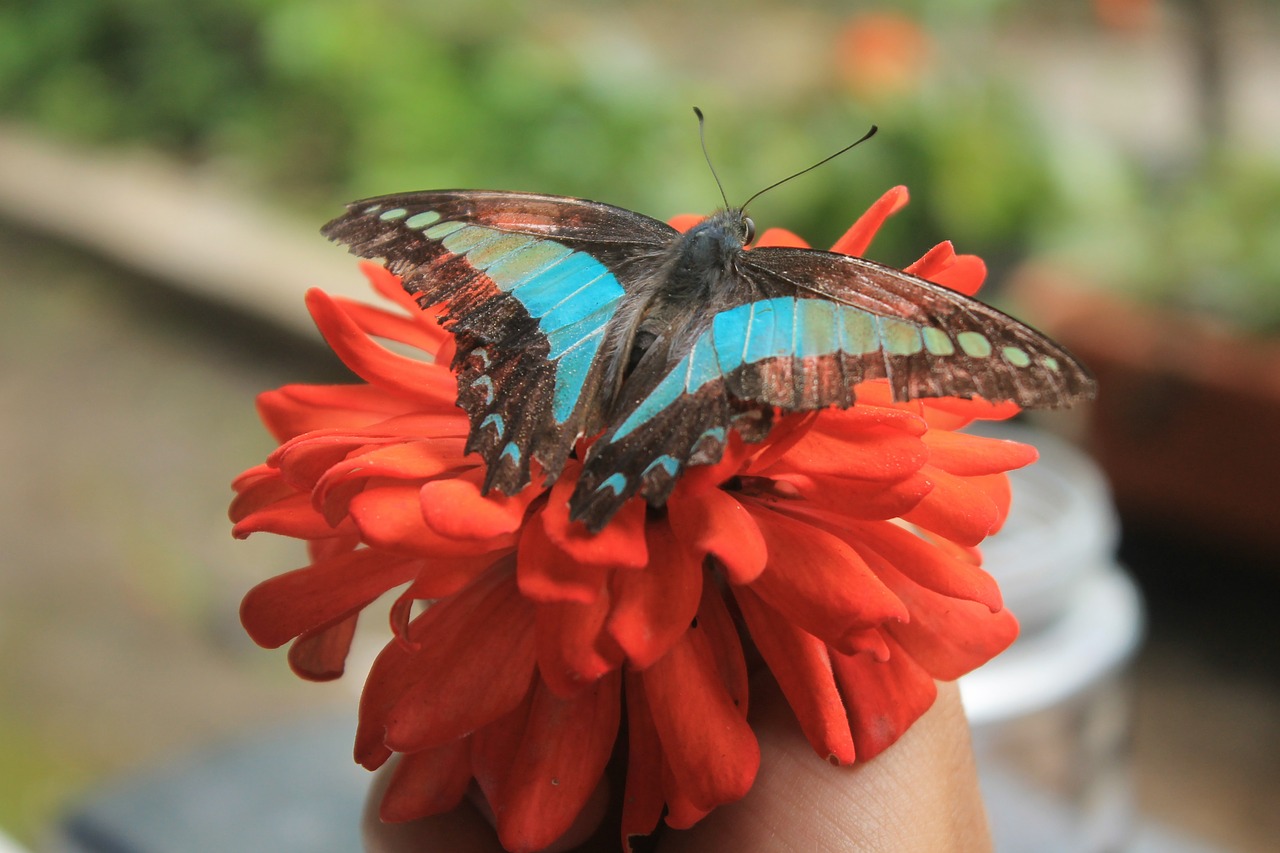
316,102
1201,237
320,101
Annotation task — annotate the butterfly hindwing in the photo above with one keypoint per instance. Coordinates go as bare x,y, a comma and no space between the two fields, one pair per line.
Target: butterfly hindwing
530,284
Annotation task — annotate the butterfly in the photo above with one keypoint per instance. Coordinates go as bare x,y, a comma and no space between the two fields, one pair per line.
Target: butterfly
575,318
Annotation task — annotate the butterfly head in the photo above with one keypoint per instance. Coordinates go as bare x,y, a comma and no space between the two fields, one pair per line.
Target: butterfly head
724,231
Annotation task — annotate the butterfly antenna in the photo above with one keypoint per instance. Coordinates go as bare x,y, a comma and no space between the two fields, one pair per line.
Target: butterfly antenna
702,137
870,133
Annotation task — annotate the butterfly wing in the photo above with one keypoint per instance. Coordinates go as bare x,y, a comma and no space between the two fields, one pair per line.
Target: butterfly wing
925,339
798,329
531,284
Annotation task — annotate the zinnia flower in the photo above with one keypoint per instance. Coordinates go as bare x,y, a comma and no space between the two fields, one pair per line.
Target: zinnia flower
841,548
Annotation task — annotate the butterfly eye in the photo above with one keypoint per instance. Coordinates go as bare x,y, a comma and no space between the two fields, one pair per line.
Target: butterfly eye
751,230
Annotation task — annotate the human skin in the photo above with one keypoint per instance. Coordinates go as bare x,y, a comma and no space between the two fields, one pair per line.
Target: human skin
921,794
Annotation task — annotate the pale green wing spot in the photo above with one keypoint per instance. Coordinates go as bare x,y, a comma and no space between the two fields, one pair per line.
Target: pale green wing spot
497,249
422,220
514,269
900,338
444,229
816,322
393,213
1051,363
974,344
1015,356
937,342
465,239
857,331
371,209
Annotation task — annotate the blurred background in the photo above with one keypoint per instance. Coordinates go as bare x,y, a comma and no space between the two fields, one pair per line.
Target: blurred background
164,167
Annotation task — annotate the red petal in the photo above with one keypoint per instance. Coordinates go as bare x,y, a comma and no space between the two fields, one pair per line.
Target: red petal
941,265
856,240
1001,494
375,364
802,666
389,286
440,577
304,460
256,488
620,545
973,455
392,671
390,516
780,237
559,762
819,582
682,222
455,507
322,655
709,747
572,648
700,479
787,431
866,499
493,747
280,608
654,605
403,329
398,665
548,574
682,811
726,646
294,516
475,663
954,413
643,801
307,458
959,508
883,698
949,413
871,641
715,523
403,460
862,443
948,637
923,562
427,783
933,261
296,409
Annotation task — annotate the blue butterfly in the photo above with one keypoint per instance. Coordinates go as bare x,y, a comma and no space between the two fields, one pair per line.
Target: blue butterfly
575,318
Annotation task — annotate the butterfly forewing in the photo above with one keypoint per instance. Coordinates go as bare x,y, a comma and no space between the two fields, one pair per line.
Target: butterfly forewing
873,321
531,284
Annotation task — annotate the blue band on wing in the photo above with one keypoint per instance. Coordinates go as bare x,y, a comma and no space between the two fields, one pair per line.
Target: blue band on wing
571,294
666,462
783,327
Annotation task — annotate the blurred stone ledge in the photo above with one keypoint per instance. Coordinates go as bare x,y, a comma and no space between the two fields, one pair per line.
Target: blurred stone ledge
150,214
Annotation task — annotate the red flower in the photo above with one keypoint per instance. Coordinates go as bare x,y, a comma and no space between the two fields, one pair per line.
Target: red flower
842,546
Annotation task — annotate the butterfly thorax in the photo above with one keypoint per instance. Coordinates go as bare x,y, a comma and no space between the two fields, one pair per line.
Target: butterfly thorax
661,317
695,271
704,253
